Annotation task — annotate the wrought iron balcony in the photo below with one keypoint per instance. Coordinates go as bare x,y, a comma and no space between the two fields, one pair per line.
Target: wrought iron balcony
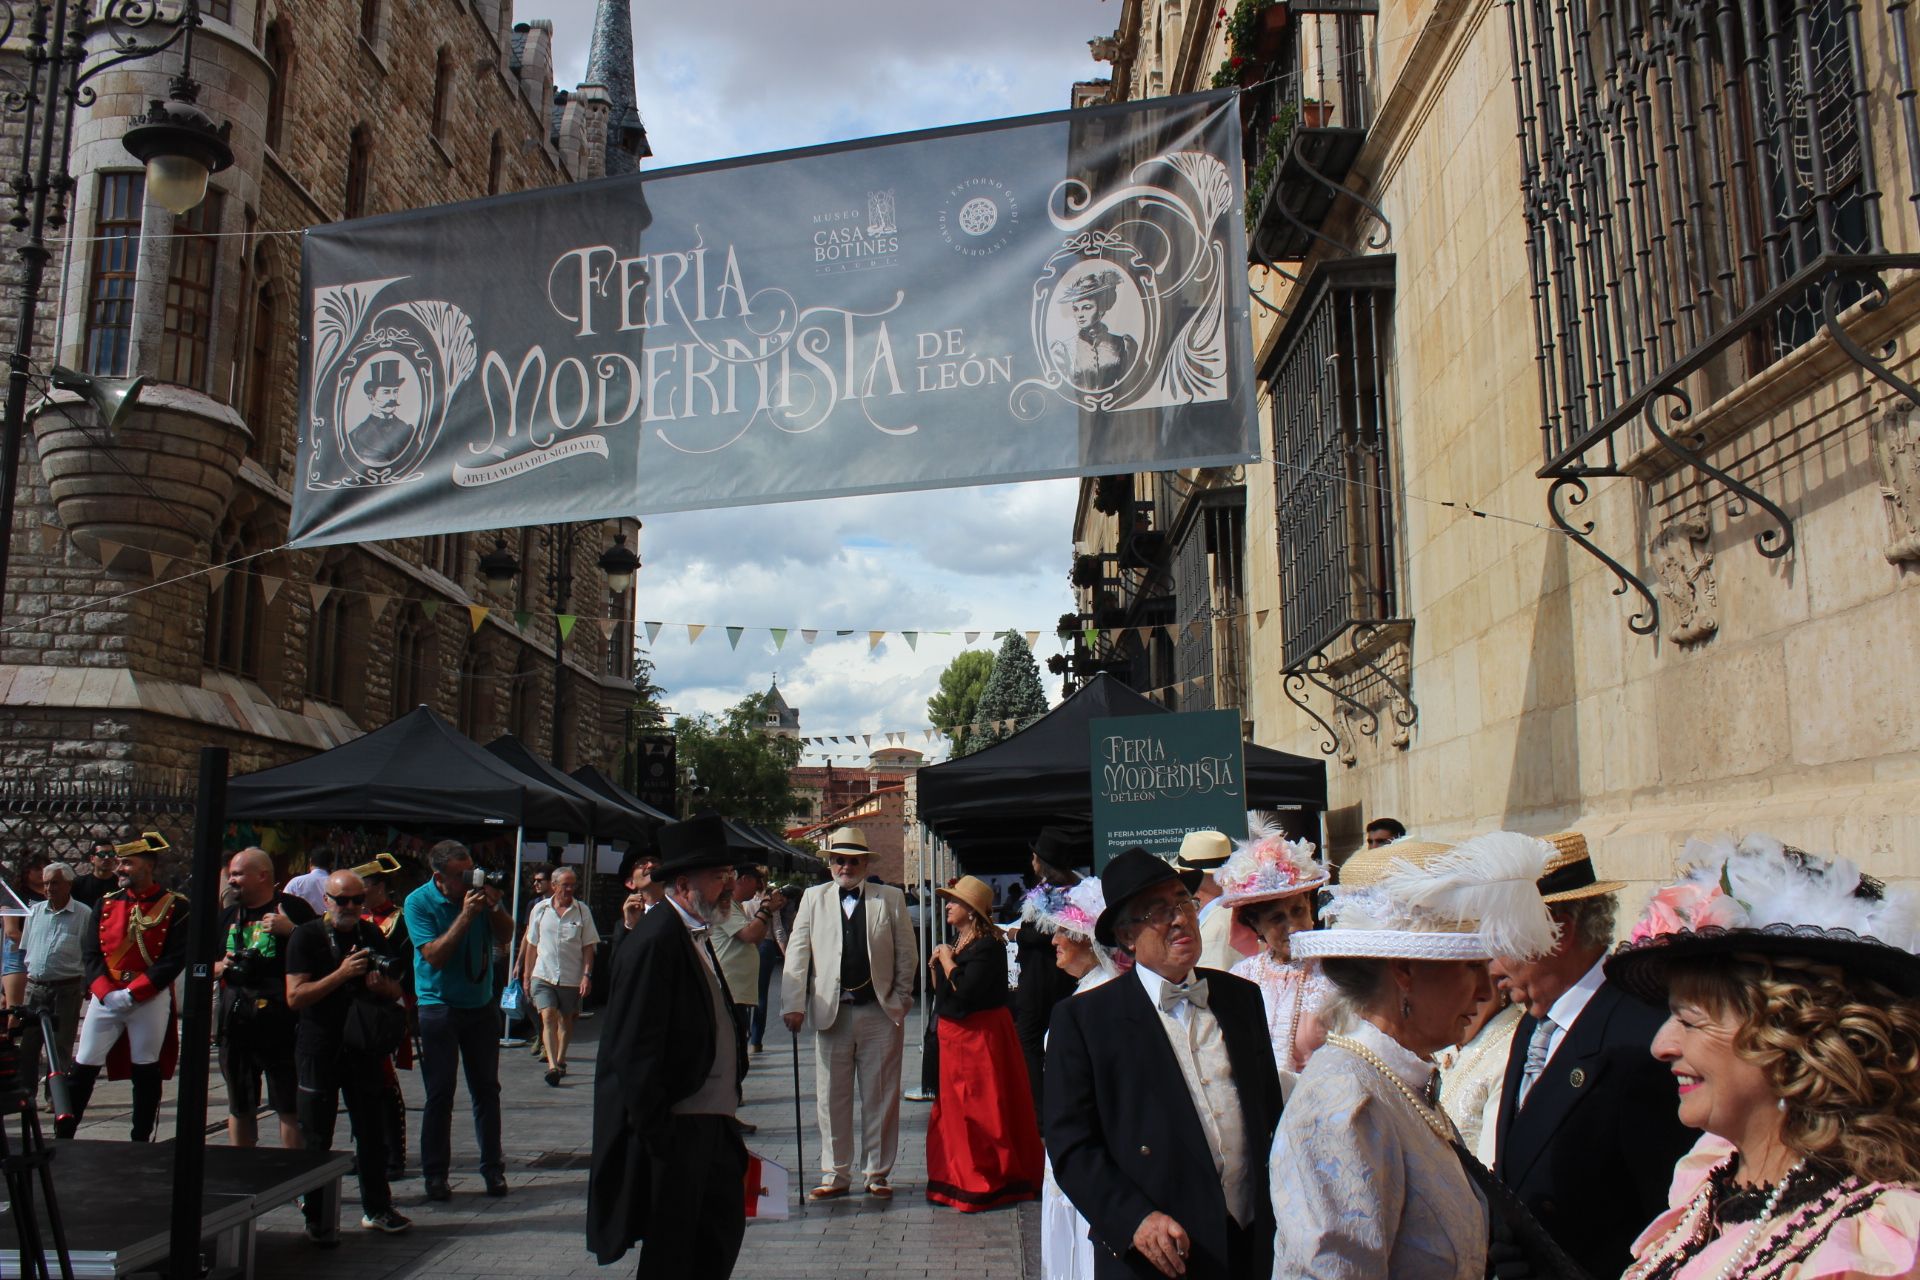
1306,116
1703,193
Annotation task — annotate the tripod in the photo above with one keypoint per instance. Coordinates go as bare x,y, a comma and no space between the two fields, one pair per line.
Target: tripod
34,1154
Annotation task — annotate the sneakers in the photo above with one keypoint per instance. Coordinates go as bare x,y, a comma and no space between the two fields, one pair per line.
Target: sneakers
390,1222
324,1237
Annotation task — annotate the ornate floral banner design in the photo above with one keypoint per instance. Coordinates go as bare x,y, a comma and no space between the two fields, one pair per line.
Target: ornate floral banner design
1055,295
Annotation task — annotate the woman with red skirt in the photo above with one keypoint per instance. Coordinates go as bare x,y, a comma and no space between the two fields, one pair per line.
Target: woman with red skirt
983,1142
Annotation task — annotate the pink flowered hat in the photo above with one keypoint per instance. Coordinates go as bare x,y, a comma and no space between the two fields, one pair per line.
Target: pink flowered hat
1267,865
1052,908
1762,897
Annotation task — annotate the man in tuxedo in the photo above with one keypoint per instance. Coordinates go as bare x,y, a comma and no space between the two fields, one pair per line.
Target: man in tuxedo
668,1165
1589,1127
1161,1094
850,970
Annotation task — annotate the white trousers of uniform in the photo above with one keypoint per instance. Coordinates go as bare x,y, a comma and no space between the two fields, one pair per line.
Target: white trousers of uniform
862,1049
144,1025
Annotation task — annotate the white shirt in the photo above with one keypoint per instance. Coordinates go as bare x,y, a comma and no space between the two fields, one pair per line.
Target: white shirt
1566,1010
1201,1049
560,941
698,928
311,888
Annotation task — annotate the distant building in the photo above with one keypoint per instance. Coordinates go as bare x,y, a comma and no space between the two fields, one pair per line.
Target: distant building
782,721
820,790
882,815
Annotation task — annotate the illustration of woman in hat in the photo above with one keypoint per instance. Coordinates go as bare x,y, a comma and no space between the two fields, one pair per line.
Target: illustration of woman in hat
1794,1043
1097,358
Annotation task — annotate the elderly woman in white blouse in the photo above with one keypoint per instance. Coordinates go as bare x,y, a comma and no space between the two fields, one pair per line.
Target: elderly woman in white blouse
1366,1180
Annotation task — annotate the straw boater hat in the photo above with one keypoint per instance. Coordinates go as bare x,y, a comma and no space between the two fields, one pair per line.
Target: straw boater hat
1203,851
848,842
1763,898
1569,875
1370,866
974,894
1267,866
1474,902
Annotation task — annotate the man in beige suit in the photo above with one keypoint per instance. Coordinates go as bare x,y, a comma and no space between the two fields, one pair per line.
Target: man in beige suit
857,997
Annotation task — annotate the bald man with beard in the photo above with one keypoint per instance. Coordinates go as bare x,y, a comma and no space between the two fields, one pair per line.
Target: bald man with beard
256,1027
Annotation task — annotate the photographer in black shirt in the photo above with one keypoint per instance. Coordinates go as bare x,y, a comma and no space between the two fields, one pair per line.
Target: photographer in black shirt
341,980
256,1027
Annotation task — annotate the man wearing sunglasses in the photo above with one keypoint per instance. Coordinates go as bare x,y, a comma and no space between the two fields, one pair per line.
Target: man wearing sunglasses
331,963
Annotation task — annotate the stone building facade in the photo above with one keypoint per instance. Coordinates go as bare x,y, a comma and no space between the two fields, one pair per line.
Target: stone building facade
1580,509
150,608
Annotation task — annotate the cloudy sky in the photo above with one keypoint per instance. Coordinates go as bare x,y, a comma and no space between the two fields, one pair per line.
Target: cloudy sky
764,75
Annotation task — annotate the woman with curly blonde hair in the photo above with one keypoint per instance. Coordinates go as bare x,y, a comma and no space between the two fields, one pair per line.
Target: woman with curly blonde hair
1794,1042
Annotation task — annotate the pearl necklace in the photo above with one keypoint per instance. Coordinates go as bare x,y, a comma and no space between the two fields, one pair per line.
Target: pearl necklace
1696,1219
1440,1127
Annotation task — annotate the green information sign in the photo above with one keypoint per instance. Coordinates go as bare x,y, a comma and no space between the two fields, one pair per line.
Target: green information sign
1155,778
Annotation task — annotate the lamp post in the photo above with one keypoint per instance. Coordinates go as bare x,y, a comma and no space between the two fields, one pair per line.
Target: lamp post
178,142
619,562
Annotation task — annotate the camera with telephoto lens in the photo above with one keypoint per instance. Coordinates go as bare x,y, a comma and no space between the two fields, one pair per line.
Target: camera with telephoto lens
482,878
392,968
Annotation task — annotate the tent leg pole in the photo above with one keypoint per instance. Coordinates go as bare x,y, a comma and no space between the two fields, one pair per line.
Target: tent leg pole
916,1091
513,940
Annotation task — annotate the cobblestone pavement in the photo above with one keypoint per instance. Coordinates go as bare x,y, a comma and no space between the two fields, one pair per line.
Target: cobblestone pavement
538,1229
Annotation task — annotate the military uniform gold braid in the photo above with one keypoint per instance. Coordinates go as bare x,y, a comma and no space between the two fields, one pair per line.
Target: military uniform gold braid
138,924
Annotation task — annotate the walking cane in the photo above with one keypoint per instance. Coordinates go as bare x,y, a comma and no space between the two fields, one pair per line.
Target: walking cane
799,1135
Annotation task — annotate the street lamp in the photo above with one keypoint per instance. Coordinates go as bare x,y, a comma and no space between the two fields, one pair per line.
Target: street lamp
498,568
179,143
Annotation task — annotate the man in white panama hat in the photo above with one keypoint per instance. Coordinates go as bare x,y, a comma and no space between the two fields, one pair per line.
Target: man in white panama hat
850,970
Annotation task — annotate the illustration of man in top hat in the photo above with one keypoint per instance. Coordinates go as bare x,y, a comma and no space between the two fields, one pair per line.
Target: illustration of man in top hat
382,436
1097,358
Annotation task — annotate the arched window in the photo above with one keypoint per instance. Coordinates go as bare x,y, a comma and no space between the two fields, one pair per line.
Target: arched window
116,264
414,659
359,170
524,698
279,54
476,691
442,90
370,20
236,608
328,655
265,336
186,326
496,161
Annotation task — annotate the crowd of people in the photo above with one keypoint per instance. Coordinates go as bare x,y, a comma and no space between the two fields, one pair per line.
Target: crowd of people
1436,1062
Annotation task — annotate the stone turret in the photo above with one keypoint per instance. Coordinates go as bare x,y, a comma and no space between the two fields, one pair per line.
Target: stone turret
610,68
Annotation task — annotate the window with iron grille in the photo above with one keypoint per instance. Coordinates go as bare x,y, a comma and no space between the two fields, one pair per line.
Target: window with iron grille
186,331
1208,585
1331,457
116,263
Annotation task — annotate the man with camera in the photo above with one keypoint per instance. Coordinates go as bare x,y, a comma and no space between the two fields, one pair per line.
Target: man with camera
344,984
256,1026
454,921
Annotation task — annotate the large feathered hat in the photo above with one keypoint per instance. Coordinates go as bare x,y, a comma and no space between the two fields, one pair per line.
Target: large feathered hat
1053,908
1473,902
1267,865
1758,896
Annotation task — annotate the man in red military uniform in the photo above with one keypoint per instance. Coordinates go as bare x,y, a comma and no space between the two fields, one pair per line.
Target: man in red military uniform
132,955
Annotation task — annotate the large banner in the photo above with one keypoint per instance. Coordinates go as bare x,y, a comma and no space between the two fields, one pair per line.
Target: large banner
1055,295
1155,778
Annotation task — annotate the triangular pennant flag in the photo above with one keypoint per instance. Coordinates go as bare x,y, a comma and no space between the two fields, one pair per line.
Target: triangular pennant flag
1260,618
843,633
521,617
378,604
873,640
866,739
779,635
1033,637
971,636
1144,635
807,635
1090,637
430,607
693,631
318,593
217,578
1193,629
653,631
566,622
109,552
478,613
50,535
606,626
270,587
733,636
912,638
160,564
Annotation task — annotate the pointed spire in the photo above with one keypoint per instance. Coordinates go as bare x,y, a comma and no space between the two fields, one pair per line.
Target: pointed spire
610,65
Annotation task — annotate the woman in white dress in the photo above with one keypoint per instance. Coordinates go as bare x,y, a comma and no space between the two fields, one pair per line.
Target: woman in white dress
1066,1251
1269,884
1365,1178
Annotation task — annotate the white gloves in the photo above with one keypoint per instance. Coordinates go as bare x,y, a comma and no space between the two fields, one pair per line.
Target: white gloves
115,1001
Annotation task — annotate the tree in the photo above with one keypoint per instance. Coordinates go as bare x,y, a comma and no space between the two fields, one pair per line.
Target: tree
1013,693
961,685
742,768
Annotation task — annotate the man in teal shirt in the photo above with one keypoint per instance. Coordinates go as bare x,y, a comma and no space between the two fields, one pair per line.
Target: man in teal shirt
459,1025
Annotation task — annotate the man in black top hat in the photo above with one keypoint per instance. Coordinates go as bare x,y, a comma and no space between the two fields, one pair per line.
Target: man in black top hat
667,1162
1161,1094
1044,984
382,436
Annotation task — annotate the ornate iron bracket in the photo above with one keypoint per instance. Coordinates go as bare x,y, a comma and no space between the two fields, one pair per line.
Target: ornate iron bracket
1877,297
1574,489
1346,707
1375,242
1771,543
1405,712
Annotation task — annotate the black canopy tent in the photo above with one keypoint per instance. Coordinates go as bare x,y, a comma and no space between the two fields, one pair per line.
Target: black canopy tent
611,819
594,780
988,806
